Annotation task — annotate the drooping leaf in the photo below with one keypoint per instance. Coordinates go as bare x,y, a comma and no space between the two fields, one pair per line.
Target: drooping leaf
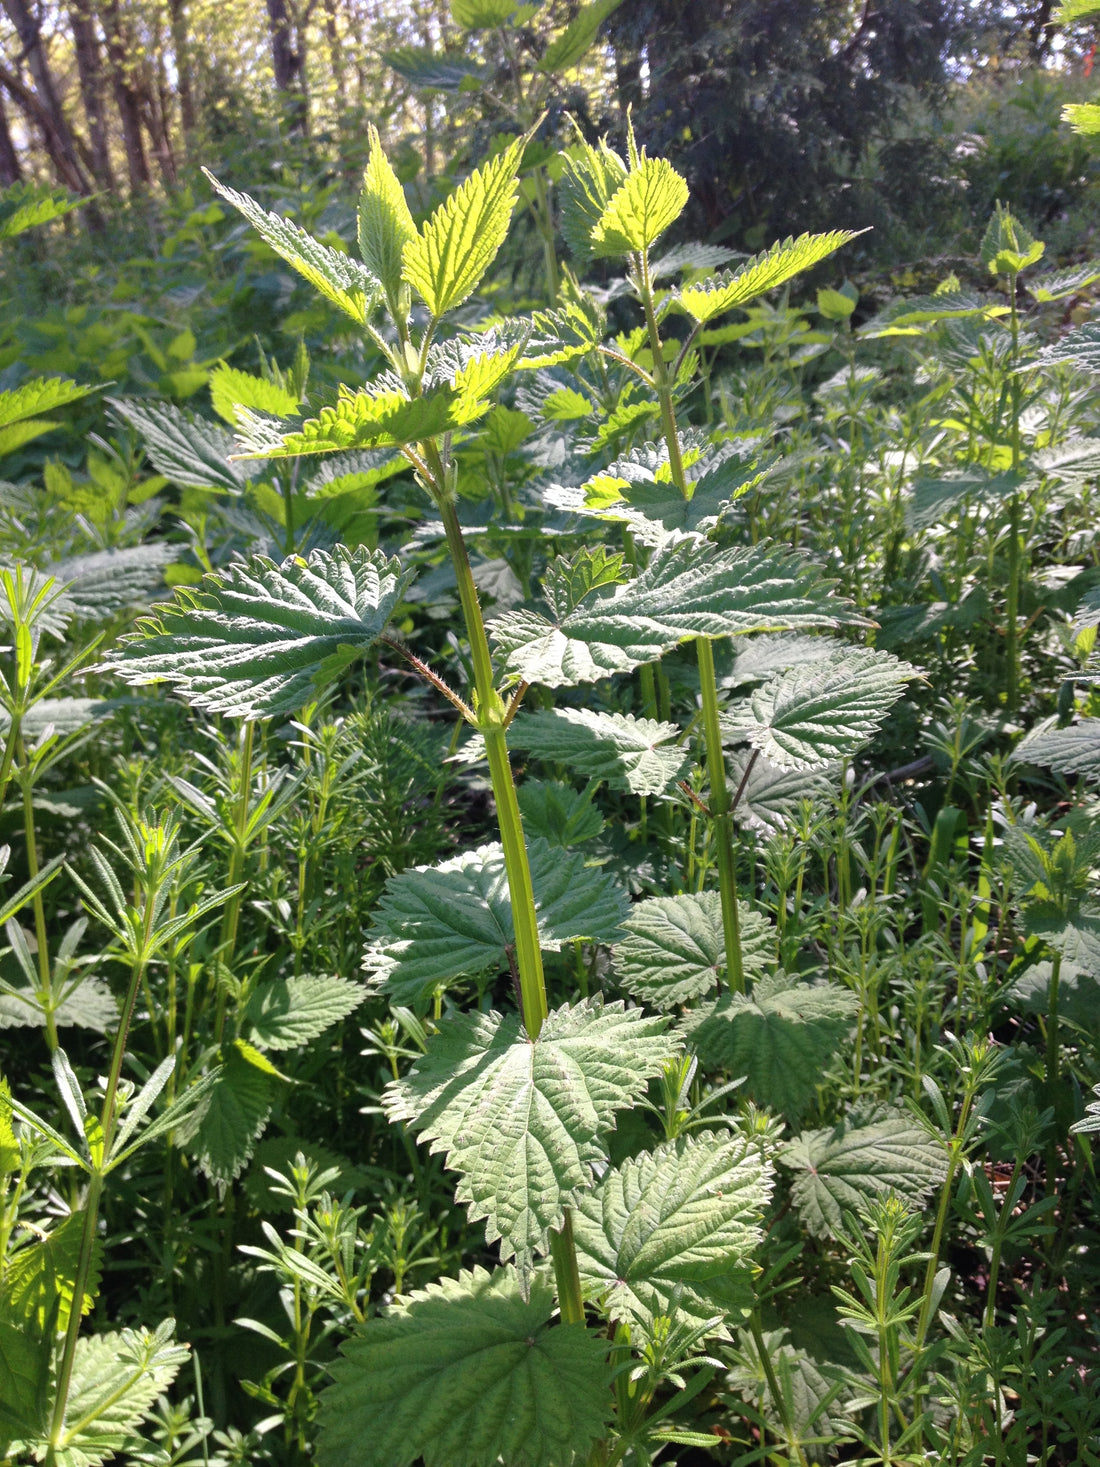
843,1167
780,263
222,1130
337,276
1060,284
574,42
1080,347
287,1012
675,950
933,499
231,389
105,581
781,1037
466,1373
1073,750
260,639
189,450
385,220
661,1228
651,197
523,1120
691,256
353,473
913,317
446,261
453,920
811,717
638,754
117,1378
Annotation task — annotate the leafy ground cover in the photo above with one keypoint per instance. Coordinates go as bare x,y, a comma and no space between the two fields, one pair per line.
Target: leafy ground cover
566,931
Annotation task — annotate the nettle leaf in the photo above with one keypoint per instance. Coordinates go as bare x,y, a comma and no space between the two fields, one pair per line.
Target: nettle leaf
782,1037
675,950
564,335
116,1380
573,44
690,588
481,15
360,419
259,639
42,1274
222,1131
557,813
287,1012
783,261
842,1168
658,1229
386,223
231,389
651,197
339,277
24,1384
106,581
913,317
446,261
638,754
1074,750
1062,283
454,920
933,499
812,716
523,1120
567,582
436,72
189,450
591,176
352,473
692,256
39,395
467,1372
1080,347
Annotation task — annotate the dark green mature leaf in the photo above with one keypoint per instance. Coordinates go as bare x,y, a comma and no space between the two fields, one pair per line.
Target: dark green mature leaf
339,277
222,1130
651,198
433,72
690,588
913,317
1074,750
841,1168
24,1382
933,499
557,813
189,450
523,1120
812,716
479,15
467,1373
454,920
1080,347
116,1380
445,262
573,44
105,581
781,1037
661,1227
259,639
782,262
287,1012
675,950
630,753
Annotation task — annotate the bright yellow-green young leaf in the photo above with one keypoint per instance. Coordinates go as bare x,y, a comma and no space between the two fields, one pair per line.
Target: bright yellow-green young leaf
590,176
231,389
1073,10
481,15
1007,247
651,197
356,420
721,293
385,220
1082,116
572,45
445,262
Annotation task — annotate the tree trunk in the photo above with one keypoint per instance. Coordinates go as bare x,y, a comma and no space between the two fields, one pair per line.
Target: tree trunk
286,61
336,54
90,69
126,96
177,20
45,103
11,170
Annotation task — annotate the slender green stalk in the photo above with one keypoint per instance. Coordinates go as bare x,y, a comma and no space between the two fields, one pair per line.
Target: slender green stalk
566,1273
37,904
721,814
1012,608
231,918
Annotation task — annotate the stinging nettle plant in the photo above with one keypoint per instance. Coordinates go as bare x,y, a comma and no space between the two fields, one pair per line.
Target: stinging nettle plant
581,1344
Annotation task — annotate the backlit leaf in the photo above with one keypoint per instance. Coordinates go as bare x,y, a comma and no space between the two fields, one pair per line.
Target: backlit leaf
39,395
651,197
385,220
480,15
762,273
356,420
231,389
573,44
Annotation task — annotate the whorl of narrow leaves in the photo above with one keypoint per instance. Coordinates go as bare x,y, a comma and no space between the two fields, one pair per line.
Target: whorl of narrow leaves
762,273
523,1120
454,920
260,639
385,220
339,277
638,754
661,1227
841,1168
782,1037
466,1373
651,197
445,262
809,717
675,950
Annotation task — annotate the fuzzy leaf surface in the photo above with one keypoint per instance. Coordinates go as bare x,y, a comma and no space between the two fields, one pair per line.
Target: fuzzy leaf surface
445,262
287,1012
339,277
1080,347
454,920
842,1168
105,581
675,950
523,1121
385,220
658,1228
781,1037
189,450
638,754
223,1129
259,639
783,261
1073,750
651,197
811,717
466,1373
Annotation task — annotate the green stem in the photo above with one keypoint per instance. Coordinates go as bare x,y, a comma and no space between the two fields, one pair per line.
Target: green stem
721,815
1012,645
231,919
546,230
40,933
778,1399
1052,1063
566,1274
